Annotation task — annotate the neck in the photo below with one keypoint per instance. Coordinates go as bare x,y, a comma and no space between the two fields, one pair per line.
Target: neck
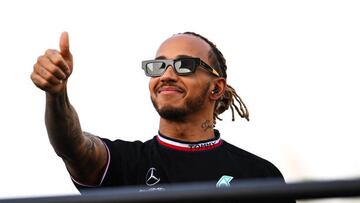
193,130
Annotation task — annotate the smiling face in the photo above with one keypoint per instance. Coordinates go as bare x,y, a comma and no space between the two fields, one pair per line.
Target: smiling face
176,97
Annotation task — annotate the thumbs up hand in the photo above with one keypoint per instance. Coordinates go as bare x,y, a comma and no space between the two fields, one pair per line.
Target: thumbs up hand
52,70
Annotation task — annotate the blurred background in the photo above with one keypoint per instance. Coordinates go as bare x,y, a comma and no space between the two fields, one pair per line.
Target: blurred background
294,63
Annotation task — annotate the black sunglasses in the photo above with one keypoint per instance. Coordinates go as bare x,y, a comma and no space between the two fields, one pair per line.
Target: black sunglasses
182,66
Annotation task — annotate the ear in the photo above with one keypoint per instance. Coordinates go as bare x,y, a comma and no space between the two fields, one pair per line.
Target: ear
217,88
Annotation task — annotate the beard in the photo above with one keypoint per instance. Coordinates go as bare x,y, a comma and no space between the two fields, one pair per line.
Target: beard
179,114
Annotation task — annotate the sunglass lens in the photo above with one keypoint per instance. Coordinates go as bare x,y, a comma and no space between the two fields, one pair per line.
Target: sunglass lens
184,66
155,68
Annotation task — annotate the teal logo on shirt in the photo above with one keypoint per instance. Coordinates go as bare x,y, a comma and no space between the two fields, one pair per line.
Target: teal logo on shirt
224,181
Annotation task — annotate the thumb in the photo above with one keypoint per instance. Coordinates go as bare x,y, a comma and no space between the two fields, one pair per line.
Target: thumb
65,45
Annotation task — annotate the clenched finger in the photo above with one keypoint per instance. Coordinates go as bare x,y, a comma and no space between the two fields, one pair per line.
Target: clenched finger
56,58
53,69
46,75
39,81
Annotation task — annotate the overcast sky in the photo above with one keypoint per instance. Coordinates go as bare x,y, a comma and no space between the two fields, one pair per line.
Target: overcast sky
294,63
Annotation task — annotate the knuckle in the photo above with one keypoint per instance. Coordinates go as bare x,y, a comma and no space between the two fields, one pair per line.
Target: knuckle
46,76
50,52
40,83
54,56
41,70
51,68
45,85
57,60
40,58
32,77
35,79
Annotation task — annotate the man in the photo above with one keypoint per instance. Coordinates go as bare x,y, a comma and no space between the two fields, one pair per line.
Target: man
188,89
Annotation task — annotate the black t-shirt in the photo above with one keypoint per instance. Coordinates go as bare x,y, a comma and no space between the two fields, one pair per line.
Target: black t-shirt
163,160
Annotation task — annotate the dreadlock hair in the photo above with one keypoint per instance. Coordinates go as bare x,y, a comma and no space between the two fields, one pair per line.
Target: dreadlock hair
229,96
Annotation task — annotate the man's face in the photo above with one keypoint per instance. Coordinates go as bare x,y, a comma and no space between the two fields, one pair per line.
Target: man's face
176,97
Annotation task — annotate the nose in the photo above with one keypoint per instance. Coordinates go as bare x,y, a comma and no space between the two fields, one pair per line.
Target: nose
169,74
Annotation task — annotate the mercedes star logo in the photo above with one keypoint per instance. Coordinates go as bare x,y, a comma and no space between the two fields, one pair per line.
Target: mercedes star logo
150,178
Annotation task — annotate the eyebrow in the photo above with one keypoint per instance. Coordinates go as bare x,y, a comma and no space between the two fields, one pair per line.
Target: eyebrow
177,57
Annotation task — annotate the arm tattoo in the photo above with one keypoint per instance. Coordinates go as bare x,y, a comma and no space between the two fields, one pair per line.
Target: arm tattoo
63,126
83,153
90,144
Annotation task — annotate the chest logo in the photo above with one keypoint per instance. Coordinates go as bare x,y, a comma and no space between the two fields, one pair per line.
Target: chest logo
224,181
151,177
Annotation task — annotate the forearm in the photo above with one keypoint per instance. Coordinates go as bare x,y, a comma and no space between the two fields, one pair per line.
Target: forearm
84,154
63,126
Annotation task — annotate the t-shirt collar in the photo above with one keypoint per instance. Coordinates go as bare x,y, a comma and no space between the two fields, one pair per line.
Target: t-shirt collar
190,146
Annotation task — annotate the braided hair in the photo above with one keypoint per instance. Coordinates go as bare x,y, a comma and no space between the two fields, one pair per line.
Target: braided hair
229,96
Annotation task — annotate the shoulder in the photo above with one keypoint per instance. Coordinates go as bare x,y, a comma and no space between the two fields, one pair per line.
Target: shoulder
252,161
123,145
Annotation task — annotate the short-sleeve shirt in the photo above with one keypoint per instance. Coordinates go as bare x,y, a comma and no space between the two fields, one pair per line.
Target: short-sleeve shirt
163,160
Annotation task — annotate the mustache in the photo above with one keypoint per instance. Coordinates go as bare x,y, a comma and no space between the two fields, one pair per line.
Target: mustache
168,84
